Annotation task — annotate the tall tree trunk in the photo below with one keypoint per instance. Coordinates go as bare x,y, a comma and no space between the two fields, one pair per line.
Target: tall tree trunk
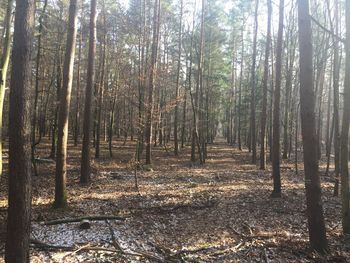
4,62
100,92
276,109
253,87
36,92
77,110
176,143
265,86
19,193
65,98
240,91
153,68
336,69
199,82
345,131
85,153
316,224
184,111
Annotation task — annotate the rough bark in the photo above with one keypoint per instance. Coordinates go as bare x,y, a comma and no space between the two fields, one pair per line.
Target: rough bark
19,195
85,159
316,224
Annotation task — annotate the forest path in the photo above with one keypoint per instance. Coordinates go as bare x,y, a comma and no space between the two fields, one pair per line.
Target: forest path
218,212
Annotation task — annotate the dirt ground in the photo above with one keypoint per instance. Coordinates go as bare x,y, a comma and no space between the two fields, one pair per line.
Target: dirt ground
219,212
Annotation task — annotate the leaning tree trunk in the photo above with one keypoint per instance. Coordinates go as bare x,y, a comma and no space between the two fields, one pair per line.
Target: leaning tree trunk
19,193
85,154
65,98
317,229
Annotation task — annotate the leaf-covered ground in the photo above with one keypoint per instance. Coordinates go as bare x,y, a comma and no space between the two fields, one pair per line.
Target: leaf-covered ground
219,212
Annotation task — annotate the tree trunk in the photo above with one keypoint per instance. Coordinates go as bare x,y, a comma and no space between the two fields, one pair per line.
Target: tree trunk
65,98
153,67
316,224
19,193
176,143
336,69
344,169
85,155
240,92
36,92
253,87
265,83
276,109
77,110
5,59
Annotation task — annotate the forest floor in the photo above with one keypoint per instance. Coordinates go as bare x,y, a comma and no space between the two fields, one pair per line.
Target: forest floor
218,212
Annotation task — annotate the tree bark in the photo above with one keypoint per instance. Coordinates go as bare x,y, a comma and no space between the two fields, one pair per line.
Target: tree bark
85,155
276,109
65,98
19,195
344,169
316,224
176,143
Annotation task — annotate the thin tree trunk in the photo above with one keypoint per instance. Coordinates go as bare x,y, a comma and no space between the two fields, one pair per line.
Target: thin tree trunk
336,69
65,98
36,92
253,87
176,143
265,83
77,110
276,109
100,93
153,67
240,92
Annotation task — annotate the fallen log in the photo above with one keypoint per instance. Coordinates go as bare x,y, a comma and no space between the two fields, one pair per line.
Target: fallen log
79,219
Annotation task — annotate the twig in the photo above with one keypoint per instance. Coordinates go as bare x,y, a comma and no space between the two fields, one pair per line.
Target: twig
43,245
78,219
327,30
76,251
